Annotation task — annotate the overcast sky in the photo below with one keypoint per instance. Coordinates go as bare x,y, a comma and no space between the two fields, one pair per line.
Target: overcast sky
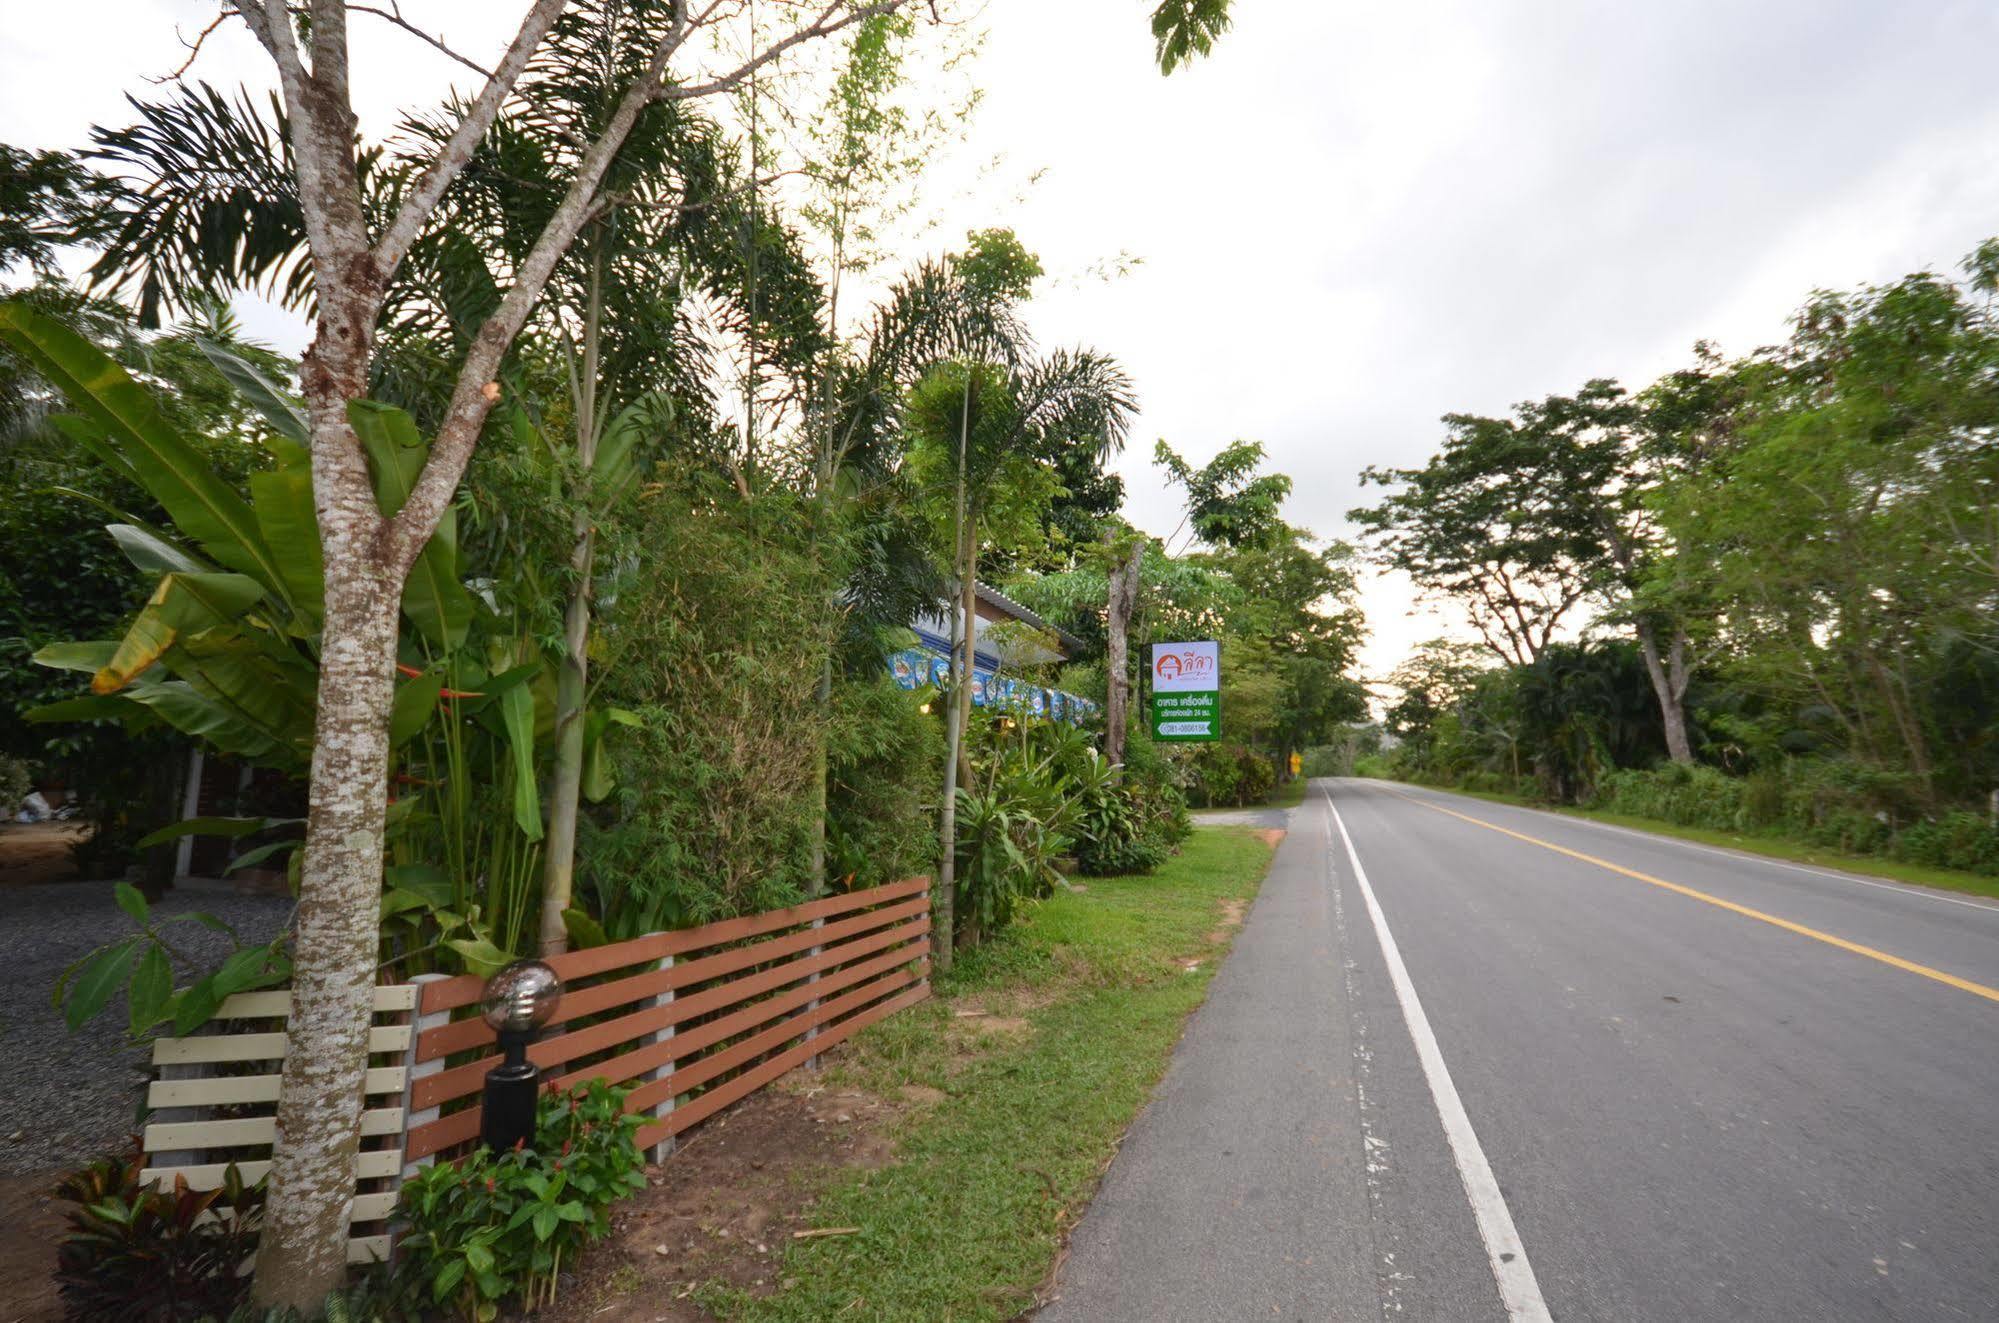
1355,218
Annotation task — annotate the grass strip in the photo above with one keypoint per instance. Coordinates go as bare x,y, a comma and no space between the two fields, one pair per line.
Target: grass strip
967,1221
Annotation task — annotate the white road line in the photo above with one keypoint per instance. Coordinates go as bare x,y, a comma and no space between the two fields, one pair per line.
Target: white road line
1914,890
1518,1289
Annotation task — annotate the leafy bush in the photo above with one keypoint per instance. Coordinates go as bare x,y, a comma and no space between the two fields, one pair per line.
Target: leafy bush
15,783
142,965
1824,801
1231,775
1154,788
885,764
1019,814
714,647
1111,835
501,1224
136,1254
1959,839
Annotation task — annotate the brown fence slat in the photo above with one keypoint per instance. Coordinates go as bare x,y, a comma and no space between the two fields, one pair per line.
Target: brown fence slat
465,990
702,1069
464,1035
700,1109
686,1042
462,1126
441,1087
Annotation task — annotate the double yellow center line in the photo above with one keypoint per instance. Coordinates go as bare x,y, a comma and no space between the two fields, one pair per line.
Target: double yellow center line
1950,980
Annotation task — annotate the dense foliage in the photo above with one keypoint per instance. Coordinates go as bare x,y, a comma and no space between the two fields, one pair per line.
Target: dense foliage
1790,559
134,1253
499,1225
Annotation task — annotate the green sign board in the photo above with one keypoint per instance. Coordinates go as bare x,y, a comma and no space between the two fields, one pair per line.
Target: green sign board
1187,691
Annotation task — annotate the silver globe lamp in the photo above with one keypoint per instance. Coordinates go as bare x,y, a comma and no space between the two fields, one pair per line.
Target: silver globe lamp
518,1001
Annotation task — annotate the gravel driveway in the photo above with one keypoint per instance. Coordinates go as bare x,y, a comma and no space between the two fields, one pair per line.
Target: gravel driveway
65,1097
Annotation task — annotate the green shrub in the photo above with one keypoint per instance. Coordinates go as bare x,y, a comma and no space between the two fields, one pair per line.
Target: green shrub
1154,787
1111,835
885,770
1019,814
1230,775
716,648
15,783
137,1254
1959,839
496,1225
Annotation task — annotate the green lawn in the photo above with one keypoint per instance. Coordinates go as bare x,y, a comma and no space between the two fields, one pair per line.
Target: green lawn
966,1223
1775,847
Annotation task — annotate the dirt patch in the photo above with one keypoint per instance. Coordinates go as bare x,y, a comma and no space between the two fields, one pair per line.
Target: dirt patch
1232,915
32,1219
1271,835
36,852
972,1023
725,1206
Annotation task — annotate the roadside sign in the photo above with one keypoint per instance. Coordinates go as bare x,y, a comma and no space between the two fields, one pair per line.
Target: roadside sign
1187,691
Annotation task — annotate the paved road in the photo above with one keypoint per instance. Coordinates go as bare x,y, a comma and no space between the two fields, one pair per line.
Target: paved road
1534,1067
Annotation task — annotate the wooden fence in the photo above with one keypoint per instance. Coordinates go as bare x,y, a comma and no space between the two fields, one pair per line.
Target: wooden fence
694,1020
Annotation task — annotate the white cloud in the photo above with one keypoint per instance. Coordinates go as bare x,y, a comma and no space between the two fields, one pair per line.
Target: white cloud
1355,218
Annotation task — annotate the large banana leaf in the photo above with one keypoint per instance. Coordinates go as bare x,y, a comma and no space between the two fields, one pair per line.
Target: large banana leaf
517,712
256,678
179,478
84,655
434,599
286,418
186,710
181,604
152,552
282,499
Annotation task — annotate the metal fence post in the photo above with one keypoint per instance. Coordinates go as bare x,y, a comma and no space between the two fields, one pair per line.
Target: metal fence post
812,1062
664,1107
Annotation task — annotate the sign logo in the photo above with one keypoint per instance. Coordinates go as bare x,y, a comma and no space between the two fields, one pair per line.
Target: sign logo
1186,691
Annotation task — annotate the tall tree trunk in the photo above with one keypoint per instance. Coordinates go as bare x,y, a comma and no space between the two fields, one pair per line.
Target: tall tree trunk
954,726
961,697
565,790
1669,684
1123,600
572,681
304,1242
819,778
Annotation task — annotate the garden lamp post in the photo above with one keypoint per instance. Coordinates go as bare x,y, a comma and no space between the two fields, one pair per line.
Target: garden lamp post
518,1001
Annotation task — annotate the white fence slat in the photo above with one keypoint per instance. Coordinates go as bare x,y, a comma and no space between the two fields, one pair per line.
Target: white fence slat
368,1249
276,1003
236,1090
241,1131
374,1165
373,1207
259,1047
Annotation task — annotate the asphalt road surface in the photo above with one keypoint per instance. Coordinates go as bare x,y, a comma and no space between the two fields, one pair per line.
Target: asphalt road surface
1475,1062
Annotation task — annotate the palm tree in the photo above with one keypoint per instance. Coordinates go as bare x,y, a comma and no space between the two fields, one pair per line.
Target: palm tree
995,417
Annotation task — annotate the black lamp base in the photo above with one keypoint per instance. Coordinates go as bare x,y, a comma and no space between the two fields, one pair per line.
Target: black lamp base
508,1106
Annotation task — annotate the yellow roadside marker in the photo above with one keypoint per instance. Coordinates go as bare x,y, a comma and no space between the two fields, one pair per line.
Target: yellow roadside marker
1952,980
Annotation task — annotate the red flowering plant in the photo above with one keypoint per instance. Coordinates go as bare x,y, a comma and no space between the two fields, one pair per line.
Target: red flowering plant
494,1225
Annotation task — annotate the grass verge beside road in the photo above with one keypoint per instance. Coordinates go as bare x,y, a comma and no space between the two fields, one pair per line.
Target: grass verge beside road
1774,847
1038,1050
1290,794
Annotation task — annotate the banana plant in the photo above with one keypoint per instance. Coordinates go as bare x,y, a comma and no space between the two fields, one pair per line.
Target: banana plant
225,649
